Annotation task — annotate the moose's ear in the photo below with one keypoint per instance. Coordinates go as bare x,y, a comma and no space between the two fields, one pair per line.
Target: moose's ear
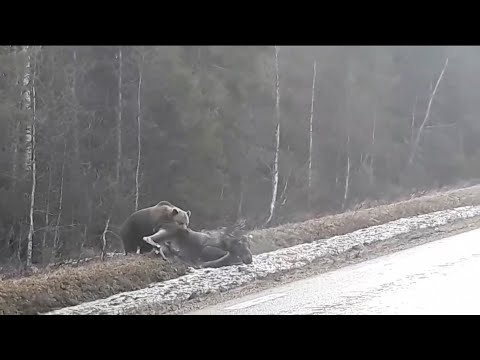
189,213
174,212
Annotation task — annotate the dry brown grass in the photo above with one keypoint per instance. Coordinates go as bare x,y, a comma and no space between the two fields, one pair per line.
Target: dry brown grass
68,286
72,286
339,224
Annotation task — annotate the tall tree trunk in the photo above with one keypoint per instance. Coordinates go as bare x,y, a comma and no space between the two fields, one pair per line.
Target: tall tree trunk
119,118
17,136
47,211
422,126
33,164
311,130
16,128
139,129
76,171
348,112
347,177
27,106
104,240
56,238
412,126
373,153
76,141
277,142
240,200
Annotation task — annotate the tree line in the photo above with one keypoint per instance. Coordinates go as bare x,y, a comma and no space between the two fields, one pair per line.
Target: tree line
89,134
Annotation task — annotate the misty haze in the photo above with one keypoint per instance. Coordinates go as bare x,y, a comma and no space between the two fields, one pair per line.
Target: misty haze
267,137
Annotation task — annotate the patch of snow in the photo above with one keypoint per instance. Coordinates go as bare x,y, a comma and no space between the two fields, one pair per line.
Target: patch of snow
204,281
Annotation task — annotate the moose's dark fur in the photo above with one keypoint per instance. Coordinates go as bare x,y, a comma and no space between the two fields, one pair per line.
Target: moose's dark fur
213,249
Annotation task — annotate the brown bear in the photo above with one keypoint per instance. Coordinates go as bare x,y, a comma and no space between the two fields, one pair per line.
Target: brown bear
144,222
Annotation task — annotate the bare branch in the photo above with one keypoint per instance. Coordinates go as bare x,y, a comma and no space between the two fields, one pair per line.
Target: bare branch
419,133
104,239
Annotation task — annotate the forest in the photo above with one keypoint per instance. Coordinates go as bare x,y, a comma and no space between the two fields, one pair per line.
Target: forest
269,134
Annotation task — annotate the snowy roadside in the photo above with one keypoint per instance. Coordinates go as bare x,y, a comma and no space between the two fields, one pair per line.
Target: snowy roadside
210,281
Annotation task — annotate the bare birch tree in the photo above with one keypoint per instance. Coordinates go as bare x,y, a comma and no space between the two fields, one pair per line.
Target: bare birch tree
73,85
424,122
348,112
139,130
372,154
347,177
311,129
277,141
32,162
27,106
104,240
119,117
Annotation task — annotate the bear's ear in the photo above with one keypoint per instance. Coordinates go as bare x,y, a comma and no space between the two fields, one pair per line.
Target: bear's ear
189,213
174,212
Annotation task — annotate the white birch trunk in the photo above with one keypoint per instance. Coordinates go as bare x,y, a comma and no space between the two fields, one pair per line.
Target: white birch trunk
348,104
119,117
277,142
347,178
139,143
372,155
311,128
27,106
432,95
412,127
33,165
76,142
222,189
104,239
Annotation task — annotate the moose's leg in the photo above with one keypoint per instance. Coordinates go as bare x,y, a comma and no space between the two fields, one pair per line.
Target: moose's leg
149,240
210,253
157,247
160,251
226,260
163,235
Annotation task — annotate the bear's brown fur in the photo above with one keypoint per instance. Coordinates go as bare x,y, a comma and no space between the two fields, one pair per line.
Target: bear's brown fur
146,221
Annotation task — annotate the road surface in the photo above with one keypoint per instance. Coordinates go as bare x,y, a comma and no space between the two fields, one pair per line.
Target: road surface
441,277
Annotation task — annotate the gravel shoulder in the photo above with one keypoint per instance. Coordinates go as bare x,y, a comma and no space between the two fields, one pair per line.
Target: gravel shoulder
331,263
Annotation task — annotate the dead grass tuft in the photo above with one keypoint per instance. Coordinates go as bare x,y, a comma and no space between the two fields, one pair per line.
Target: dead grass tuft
68,286
72,286
291,234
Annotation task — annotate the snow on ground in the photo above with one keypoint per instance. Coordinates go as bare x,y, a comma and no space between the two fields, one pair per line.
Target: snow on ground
204,281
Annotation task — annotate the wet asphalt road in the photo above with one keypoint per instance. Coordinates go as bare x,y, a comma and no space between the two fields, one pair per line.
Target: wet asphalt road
441,277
